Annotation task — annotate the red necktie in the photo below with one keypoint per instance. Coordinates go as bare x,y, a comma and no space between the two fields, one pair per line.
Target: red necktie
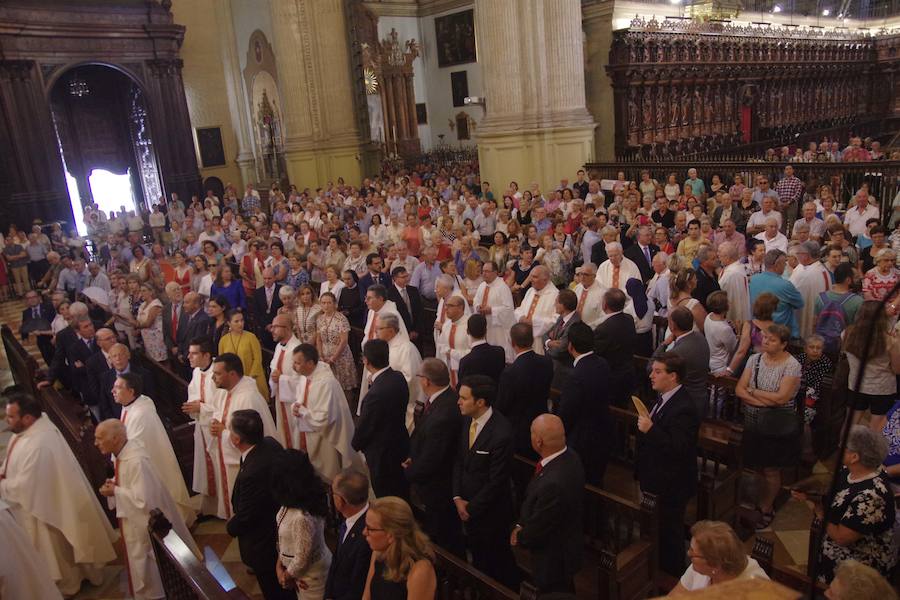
538,468
174,321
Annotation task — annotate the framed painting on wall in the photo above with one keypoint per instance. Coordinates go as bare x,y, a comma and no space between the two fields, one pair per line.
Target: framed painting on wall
212,151
459,87
455,35
421,114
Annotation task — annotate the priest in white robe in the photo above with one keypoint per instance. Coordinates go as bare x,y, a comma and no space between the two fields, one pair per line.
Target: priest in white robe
403,357
238,392
494,300
379,305
203,400
283,379
538,308
323,424
143,425
445,286
733,281
453,342
810,282
617,269
52,500
134,491
590,296
23,572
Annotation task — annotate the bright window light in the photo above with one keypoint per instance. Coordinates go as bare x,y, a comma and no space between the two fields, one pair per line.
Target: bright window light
75,200
111,191
826,12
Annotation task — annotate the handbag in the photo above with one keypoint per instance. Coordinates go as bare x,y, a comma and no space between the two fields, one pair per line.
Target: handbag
773,421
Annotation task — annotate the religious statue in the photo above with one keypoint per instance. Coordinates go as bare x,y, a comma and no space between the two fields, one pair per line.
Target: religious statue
686,112
660,108
647,109
632,109
673,107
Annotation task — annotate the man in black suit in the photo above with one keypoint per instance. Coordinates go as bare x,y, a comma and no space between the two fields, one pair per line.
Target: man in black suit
381,429
584,405
265,306
481,480
120,360
71,355
556,341
615,340
666,458
693,349
374,275
173,311
643,251
707,280
194,323
550,519
352,555
432,448
409,303
37,316
483,358
97,367
254,508
524,387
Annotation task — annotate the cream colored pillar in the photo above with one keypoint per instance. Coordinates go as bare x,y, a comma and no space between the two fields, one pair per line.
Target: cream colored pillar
322,141
536,125
597,16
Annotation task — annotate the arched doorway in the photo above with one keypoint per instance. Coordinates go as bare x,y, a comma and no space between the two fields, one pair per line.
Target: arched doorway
102,128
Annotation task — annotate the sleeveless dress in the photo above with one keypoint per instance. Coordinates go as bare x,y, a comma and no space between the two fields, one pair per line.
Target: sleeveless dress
305,322
183,280
382,589
329,330
152,336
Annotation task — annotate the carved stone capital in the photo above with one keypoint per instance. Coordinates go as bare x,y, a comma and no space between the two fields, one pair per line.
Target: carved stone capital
165,67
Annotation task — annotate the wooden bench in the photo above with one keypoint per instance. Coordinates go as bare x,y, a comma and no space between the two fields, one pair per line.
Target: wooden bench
763,551
457,580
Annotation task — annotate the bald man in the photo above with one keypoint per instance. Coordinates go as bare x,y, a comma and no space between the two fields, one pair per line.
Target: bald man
550,519
283,378
120,362
538,308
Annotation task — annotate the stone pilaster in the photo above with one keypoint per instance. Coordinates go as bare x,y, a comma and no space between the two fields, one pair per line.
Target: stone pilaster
597,18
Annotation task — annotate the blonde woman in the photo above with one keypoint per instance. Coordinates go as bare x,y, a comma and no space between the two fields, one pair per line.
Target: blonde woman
402,565
717,555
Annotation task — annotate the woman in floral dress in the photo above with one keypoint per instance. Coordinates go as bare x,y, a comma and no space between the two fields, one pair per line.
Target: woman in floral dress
332,331
149,320
305,317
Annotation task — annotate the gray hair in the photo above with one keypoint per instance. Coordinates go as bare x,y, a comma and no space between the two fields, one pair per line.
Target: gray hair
613,246
446,280
813,248
78,309
883,253
662,256
589,266
285,292
390,320
608,230
704,253
871,446
730,250
772,257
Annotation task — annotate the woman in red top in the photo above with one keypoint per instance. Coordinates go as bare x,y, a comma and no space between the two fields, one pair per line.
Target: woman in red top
412,235
181,272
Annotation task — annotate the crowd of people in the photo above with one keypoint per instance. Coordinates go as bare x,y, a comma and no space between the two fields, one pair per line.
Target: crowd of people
857,150
403,339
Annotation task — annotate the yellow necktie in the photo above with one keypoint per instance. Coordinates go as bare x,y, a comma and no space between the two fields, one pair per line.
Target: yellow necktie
473,428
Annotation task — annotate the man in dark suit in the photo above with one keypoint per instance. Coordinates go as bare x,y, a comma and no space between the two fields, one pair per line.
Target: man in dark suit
550,519
666,458
409,303
584,405
254,508
97,367
120,360
524,387
707,280
266,303
615,340
173,311
693,348
483,358
643,251
381,429
374,275
481,480
352,554
37,316
70,357
194,323
556,341
432,448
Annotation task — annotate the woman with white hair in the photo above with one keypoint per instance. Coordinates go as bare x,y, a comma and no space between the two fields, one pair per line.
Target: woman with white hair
881,279
856,581
860,518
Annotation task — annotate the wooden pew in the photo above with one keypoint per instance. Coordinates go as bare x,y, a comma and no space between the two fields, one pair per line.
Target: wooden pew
457,580
763,551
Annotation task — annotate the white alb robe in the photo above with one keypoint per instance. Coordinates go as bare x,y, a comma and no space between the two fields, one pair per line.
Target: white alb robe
735,283
503,313
202,388
283,392
543,314
226,458
57,507
627,270
370,332
326,423
442,312
140,489
811,282
405,358
450,349
142,424
23,571
591,303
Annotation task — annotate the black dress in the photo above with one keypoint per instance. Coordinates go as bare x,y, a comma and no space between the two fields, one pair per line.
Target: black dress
382,589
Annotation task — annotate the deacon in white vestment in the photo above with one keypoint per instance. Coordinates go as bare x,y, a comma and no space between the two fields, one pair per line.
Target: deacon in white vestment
615,271
237,392
283,378
734,282
379,306
23,572
203,401
445,286
494,300
403,357
52,500
323,425
811,281
453,342
134,491
538,308
590,296
143,425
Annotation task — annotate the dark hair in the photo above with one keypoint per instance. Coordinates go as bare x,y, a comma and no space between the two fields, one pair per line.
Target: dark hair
581,337
843,272
353,486
614,299
693,222
247,425
232,363
237,310
28,404
205,343
568,299
379,290
309,352
482,386
221,301
877,229
397,271
477,326
377,353
752,243
521,335
717,302
673,363
371,258
683,318
353,275
295,484
134,382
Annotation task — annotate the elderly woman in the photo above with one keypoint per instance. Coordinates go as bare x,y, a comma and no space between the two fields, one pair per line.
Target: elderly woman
772,431
331,339
305,316
860,518
288,297
856,581
332,282
881,279
149,323
717,555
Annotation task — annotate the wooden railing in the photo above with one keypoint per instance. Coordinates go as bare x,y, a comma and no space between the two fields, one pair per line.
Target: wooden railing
457,580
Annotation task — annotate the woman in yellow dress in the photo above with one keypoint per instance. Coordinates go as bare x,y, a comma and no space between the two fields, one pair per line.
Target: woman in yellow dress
246,346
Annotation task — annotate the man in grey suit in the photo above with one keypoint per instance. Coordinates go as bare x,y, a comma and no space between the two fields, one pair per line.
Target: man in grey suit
691,346
556,341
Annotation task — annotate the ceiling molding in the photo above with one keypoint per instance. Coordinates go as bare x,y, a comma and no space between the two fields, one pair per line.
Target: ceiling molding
414,8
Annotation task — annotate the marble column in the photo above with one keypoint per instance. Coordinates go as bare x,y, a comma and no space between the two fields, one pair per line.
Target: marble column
536,125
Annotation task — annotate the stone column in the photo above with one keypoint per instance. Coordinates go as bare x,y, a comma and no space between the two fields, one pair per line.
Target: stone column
536,125
602,99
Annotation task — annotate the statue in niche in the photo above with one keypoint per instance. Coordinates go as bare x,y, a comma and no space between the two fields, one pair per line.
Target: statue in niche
697,109
673,107
686,111
707,105
660,52
632,53
646,52
660,108
268,125
632,109
647,108
717,104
